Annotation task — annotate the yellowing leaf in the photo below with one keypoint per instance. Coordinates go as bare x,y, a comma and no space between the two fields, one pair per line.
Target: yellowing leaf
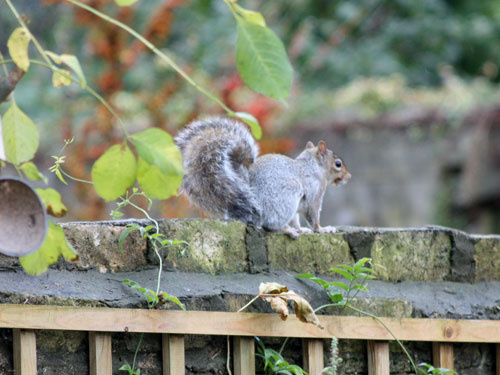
31,171
252,122
61,77
55,244
156,184
125,3
18,48
72,62
157,147
52,201
20,135
114,172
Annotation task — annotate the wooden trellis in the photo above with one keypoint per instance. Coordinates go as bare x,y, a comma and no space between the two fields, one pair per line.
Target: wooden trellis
173,325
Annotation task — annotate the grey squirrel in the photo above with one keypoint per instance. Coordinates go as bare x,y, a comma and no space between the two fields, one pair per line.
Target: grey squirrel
225,177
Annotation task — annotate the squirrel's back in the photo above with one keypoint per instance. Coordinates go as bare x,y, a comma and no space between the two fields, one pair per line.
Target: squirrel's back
217,153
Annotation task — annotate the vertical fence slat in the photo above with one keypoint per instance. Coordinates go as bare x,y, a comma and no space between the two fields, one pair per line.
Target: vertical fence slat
442,355
174,362
378,357
100,353
24,352
244,355
312,350
498,359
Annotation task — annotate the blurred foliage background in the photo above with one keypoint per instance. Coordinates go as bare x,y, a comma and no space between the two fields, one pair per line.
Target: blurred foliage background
368,74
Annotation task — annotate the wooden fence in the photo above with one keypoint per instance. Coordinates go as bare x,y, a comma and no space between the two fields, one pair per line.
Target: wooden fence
173,325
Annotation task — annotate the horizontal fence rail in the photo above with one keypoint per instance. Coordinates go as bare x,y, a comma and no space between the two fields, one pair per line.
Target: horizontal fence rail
99,322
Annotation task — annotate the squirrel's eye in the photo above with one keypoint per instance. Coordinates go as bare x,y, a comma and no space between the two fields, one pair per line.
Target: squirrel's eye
338,163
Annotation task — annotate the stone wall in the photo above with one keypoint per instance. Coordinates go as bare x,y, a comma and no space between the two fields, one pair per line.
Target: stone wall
422,272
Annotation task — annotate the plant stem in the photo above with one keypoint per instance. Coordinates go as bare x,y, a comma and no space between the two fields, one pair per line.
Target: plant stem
87,88
249,303
153,48
283,345
157,227
388,330
137,351
74,178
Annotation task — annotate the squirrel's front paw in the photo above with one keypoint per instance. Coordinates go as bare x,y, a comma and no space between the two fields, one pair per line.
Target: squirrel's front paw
326,230
304,230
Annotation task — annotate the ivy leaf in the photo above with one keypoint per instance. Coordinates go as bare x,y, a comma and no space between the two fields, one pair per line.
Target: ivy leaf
156,184
20,135
157,147
262,61
31,172
18,47
114,172
125,3
55,244
72,62
61,77
52,201
252,122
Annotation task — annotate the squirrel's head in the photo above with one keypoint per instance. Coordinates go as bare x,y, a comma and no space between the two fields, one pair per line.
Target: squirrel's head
336,170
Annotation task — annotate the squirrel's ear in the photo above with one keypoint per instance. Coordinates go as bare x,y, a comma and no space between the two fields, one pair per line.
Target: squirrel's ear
309,145
322,147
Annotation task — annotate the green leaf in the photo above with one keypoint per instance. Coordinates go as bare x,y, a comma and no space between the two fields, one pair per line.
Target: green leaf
20,135
250,15
55,244
262,60
360,264
124,235
174,299
157,147
338,285
250,121
313,278
72,62
156,184
31,171
114,172
125,3
342,272
61,77
52,201
18,44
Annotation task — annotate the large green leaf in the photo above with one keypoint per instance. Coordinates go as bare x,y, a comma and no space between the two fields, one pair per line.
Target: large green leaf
262,60
114,172
156,184
20,135
18,44
157,147
55,244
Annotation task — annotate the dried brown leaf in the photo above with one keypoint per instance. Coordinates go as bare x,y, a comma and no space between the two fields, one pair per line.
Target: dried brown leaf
279,305
272,288
304,310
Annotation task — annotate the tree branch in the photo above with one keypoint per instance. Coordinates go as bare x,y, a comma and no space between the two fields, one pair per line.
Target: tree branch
7,84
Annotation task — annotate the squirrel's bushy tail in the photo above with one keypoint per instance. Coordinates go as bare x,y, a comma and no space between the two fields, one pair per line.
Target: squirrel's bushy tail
217,153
